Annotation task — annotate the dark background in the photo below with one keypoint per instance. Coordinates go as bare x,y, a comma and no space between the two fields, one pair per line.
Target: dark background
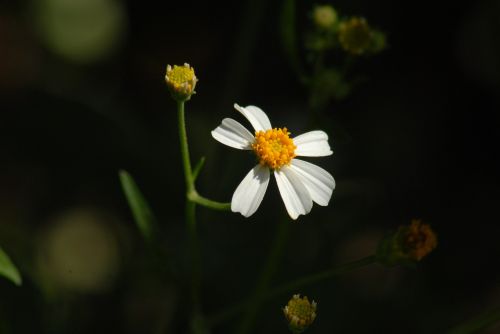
418,139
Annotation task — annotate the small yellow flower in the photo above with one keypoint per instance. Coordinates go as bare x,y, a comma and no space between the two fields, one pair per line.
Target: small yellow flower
324,17
409,244
181,81
300,313
355,35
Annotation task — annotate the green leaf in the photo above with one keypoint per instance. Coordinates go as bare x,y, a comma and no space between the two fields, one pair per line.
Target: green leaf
8,270
143,215
197,168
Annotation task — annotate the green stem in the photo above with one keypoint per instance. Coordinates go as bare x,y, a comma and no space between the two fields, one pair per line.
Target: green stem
323,275
194,254
186,161
192,199
265,277
197,168
198,199
189,175
292,286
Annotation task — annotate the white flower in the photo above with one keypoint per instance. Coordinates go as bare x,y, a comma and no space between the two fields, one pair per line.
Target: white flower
299,182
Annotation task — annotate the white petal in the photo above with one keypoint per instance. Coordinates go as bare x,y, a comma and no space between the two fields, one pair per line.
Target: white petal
255,116
247,197
293,192
232,133
312,144
318,181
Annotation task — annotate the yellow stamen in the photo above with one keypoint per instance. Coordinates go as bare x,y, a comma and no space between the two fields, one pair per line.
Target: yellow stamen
274,147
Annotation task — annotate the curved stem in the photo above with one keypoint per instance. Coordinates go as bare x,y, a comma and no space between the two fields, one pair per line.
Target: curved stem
198,199
293,285
314,278
189,175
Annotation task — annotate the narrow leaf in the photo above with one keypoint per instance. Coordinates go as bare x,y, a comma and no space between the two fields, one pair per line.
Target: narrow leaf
198,167
8,270
143,215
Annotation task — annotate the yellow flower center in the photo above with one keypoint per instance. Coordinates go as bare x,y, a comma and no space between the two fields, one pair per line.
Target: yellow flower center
181,77
300,313
274,147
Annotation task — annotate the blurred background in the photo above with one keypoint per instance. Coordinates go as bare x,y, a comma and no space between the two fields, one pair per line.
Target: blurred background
82,95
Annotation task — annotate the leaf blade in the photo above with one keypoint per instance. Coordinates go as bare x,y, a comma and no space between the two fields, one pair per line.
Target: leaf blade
8,269
143,215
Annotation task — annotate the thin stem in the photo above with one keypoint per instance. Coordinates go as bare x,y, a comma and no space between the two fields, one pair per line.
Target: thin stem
292,286
186,161
192,199
265,277
198,199
189,175
478,323
197,168
314,278
194,254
